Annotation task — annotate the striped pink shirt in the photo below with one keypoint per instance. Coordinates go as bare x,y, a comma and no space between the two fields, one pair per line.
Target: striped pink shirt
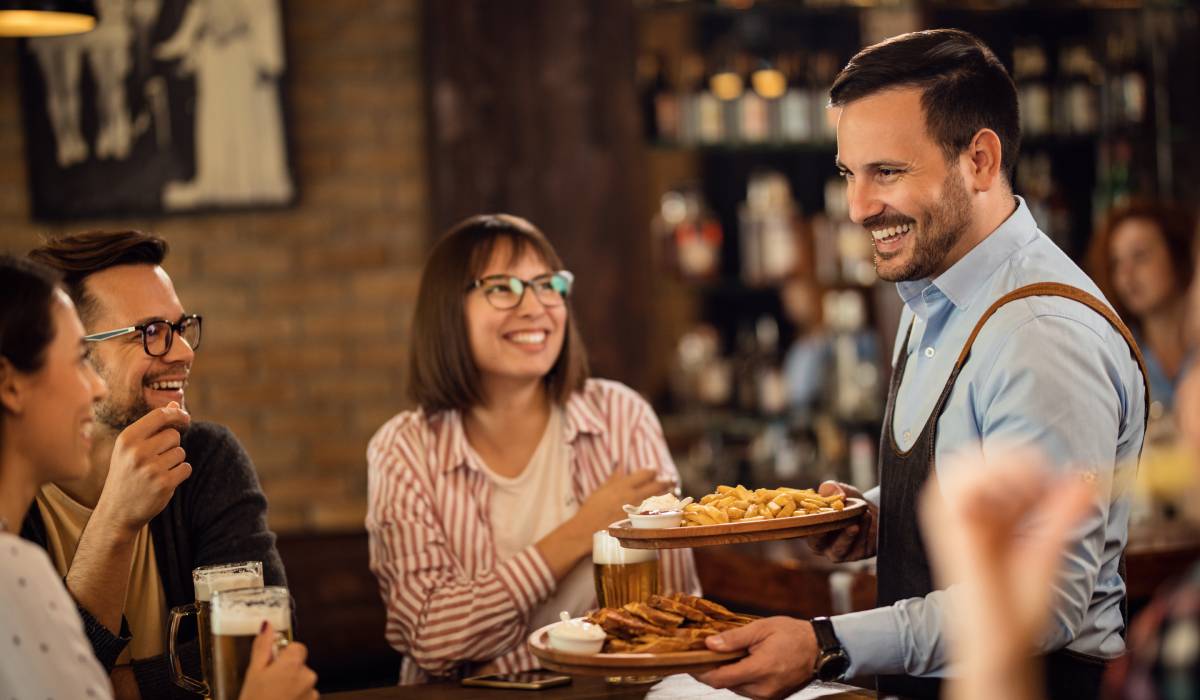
451,606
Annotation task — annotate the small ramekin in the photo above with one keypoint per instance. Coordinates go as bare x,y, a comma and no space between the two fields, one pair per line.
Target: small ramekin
660,520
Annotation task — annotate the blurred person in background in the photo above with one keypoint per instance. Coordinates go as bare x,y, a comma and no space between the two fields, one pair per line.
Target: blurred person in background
999,534
482,501
165,494
48,390
808,363
1142,258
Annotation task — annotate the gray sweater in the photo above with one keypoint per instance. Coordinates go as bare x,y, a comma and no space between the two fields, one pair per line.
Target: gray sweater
217,516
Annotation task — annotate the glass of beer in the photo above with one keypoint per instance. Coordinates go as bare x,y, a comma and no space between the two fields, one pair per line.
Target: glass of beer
235,618
623,576
206,580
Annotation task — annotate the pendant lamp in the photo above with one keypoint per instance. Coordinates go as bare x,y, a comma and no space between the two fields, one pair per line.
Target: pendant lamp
46,17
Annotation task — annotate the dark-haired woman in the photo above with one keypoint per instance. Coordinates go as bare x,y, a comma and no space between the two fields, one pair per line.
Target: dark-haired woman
47,389
1142,258
483,500
47,392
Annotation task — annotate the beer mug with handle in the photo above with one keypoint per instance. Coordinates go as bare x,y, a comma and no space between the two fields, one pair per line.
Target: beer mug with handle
236,618
206,580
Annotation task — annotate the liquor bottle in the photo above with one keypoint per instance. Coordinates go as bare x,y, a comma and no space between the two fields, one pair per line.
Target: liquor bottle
770,83
658,100
767,230
796,110
1077,102
824,69
1029,73
691,96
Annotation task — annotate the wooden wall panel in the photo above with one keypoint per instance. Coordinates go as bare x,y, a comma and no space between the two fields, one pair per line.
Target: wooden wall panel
532,110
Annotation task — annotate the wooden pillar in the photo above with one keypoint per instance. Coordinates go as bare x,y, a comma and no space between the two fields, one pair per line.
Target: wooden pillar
532,111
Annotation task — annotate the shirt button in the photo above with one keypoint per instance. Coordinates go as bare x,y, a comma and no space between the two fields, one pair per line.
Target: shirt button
929,352
907,435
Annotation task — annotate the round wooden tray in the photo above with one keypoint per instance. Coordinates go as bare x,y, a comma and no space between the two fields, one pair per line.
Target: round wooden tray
625,664
732,533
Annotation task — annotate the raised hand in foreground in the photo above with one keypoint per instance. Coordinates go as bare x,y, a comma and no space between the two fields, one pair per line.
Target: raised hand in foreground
976,524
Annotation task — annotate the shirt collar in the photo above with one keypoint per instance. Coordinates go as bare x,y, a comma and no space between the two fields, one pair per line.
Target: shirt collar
967,277
580,417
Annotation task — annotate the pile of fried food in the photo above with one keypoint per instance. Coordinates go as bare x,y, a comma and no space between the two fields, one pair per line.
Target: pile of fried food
678,622
732,504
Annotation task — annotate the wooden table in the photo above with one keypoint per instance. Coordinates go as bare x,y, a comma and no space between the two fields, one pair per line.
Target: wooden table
583,688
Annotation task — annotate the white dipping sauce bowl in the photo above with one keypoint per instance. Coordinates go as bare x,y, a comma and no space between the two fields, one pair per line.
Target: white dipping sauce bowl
644,522
569,637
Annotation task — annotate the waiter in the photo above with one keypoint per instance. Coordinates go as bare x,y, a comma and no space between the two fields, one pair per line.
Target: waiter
1003,343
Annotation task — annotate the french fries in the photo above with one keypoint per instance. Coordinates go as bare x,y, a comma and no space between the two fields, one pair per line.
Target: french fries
732,504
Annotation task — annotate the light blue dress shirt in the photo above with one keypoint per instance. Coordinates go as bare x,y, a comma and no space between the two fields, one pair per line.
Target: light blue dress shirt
1046,372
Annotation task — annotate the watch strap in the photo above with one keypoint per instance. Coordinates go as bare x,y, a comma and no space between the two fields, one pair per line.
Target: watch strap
827,640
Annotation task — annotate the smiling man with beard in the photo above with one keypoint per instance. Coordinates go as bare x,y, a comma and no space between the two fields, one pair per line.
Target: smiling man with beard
165,494
1003,343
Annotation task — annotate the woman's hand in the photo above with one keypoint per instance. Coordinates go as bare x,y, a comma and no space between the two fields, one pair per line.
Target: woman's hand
278,677
603,507
976,527
572,540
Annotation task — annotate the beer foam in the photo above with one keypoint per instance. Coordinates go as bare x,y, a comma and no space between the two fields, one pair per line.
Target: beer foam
247,620
224,581
607,549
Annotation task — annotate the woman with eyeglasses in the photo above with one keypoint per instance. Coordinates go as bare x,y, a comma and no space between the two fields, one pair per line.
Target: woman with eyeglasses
47,393
482,501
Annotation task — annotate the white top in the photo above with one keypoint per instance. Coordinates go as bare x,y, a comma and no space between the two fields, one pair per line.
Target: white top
526,508
43,652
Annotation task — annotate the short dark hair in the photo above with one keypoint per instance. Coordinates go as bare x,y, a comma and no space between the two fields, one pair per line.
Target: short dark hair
79,255
442,372
1175,223
965,87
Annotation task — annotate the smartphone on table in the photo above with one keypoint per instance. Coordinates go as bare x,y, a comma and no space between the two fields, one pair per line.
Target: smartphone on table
526,680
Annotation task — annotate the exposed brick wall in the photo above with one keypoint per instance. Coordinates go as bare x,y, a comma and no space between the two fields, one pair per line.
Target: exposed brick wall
307,309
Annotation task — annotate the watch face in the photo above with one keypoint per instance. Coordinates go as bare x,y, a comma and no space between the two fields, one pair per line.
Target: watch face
832,667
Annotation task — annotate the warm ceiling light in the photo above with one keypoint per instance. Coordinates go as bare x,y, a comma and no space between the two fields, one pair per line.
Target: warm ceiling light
46,17
769,83
726,85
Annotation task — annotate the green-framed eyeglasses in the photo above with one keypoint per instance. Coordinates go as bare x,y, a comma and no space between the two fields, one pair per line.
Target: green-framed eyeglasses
157,336
505,292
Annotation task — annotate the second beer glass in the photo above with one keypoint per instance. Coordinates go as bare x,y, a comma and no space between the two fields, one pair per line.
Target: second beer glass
236,618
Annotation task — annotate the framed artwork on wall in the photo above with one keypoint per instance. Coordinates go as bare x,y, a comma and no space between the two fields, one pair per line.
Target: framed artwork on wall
167,106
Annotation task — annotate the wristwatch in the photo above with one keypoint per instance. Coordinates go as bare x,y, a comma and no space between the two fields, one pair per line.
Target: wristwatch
832,659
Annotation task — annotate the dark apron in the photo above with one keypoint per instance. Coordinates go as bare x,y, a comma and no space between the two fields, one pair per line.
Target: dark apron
903,567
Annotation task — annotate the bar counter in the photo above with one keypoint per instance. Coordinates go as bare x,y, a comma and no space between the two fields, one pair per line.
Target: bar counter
581,688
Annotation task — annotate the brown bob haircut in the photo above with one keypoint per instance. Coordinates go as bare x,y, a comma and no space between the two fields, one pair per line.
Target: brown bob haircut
965,88
442,373
79,255
1175,224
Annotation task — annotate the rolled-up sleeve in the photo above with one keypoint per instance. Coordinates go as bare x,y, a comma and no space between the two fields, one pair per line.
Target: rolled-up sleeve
1052,386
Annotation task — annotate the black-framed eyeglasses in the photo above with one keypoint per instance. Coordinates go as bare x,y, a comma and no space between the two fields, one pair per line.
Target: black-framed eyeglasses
505,292
157,336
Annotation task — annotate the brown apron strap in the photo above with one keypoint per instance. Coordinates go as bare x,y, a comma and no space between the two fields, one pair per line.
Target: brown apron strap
1055,289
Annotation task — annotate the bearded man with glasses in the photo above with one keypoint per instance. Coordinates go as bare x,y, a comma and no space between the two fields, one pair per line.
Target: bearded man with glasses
165,494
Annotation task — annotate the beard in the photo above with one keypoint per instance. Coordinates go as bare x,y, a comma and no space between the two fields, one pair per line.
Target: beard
940,228
119,410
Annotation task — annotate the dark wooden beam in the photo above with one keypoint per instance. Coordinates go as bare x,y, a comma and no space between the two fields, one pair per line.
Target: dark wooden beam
532,111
